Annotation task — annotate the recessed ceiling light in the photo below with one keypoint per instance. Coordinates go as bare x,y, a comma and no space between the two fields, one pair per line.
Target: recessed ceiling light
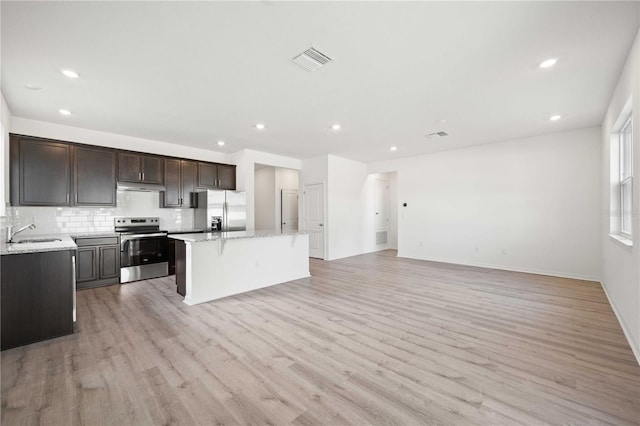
32,86
555,117
64,111
221,143
548,63
393,148
260,126
70,73
336,127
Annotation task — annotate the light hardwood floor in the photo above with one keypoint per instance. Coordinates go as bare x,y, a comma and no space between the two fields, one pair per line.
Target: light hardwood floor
371,339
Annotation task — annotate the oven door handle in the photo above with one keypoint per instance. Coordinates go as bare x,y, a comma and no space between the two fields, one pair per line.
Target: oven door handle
128,237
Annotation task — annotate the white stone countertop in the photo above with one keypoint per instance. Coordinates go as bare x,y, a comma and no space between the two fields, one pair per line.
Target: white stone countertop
64,242
235,235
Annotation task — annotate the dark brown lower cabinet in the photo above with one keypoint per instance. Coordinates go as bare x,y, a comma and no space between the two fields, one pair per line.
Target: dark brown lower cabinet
37,293
181,267
98,262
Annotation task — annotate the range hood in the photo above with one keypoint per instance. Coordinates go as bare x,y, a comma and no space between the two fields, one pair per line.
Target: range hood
140,186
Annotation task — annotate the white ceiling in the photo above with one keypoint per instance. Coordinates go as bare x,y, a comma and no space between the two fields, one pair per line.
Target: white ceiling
195,72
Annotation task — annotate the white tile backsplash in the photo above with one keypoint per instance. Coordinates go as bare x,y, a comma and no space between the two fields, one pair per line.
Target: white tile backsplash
65,220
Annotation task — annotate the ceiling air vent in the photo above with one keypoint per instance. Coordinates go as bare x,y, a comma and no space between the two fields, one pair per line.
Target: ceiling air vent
311,59
437,135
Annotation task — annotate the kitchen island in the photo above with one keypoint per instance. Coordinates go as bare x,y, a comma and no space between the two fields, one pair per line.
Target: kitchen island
214,265
37,289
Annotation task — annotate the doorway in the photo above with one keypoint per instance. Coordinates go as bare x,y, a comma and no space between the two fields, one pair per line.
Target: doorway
270,183
313,208
381,210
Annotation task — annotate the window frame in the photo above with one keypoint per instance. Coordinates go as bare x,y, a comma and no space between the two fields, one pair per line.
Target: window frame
625,177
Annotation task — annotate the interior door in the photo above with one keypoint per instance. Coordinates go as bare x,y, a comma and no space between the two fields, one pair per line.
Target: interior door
313,206
289,209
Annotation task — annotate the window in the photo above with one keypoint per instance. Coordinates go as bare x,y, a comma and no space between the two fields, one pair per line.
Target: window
622,176
625,147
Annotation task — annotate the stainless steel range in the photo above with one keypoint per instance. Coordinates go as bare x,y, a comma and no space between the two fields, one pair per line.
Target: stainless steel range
144,248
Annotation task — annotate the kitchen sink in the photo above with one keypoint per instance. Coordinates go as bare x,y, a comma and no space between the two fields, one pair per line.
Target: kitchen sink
38,240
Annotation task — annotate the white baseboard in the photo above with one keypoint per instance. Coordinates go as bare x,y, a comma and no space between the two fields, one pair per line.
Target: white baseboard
373,250
635,348
510,268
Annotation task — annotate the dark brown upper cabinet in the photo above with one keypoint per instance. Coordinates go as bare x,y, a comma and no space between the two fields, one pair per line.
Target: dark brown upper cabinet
189,175
180,179
216,176
207,175
226,176
40,172
94,177
46,172
134,167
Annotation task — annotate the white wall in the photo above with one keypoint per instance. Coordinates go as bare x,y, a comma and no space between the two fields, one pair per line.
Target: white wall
349,224
347,207
620,263
528,205
5,117
393,210
24,126
265,201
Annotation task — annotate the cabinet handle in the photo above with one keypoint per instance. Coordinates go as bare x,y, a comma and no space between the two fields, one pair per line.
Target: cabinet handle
142,175
67,197
139,175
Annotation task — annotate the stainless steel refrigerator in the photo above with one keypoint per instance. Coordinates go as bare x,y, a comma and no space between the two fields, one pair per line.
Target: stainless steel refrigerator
221,211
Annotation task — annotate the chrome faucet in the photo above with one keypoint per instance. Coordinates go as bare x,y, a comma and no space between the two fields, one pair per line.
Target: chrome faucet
11,234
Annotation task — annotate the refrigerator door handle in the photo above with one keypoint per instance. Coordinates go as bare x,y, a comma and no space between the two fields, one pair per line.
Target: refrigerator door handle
225,217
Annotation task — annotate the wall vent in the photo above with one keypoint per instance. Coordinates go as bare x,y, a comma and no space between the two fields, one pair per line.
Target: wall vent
437,135
311,59
381,238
